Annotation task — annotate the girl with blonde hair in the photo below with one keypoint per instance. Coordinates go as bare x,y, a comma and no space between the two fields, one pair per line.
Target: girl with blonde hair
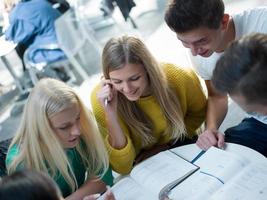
59,136
142,106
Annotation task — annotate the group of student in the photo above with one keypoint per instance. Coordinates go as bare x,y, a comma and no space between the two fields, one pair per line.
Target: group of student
141,106
207,30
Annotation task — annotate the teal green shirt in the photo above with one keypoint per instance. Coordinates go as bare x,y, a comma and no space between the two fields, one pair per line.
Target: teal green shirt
77,166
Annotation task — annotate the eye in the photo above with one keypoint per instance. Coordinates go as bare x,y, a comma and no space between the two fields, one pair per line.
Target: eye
117,82
135,78
202,41
63,128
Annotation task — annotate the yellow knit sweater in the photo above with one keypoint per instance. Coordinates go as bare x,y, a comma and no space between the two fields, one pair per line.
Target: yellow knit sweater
186,86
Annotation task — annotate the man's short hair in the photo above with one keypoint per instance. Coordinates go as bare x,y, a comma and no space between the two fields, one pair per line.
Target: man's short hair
243,69
186,15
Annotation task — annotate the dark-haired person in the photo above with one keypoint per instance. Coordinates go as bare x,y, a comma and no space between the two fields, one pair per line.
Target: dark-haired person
33,185
29,185
242,73
204,28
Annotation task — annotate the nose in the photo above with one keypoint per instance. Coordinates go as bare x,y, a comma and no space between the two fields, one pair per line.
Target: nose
126,87
192,47
194,50
75,129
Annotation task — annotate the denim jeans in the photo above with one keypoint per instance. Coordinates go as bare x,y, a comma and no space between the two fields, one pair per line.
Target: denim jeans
251,133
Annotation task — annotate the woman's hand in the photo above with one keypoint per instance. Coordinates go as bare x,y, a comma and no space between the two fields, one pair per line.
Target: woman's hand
107,96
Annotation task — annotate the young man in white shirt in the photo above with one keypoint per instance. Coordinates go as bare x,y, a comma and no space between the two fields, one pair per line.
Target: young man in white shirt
242,73
202,26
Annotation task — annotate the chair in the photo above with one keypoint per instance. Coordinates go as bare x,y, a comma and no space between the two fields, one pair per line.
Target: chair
82,50
60,69
76,39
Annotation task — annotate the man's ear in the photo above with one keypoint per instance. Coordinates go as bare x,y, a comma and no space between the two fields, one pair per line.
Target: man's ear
225,21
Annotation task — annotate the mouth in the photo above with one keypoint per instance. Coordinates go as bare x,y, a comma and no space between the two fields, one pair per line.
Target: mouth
73,140
204,53
131,93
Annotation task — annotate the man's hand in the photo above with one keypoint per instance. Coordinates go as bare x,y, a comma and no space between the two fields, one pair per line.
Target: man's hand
210,138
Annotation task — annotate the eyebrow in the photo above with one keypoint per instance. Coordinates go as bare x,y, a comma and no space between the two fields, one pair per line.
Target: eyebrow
133,76
195,42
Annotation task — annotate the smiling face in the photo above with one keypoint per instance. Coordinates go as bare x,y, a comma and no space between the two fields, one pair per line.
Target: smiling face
66,125
131,80
202,41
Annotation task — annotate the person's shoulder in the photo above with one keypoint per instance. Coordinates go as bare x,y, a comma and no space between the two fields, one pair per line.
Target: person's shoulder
260,9
171,68
95,89
257,11
12,152
176,73
15,11
24,9
36,7
96,107
14,149
250,21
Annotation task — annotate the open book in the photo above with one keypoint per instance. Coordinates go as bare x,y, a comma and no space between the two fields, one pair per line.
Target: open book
224,175
153,177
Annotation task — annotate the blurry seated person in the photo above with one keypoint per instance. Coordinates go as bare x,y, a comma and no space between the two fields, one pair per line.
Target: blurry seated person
31,25
242,73
58,135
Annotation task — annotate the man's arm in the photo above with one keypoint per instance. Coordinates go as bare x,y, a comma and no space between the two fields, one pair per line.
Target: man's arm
217,109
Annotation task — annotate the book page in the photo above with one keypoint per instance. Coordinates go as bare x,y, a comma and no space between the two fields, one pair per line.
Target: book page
216,168
160,170
251,183
220,164
128,189
196,187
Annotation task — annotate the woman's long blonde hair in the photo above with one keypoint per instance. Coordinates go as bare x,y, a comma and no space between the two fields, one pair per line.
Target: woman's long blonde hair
130,50
39,147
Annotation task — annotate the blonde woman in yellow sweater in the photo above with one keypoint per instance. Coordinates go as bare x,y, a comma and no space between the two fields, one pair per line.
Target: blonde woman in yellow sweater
143,107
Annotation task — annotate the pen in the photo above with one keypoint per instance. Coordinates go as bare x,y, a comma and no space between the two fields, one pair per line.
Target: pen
106,102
